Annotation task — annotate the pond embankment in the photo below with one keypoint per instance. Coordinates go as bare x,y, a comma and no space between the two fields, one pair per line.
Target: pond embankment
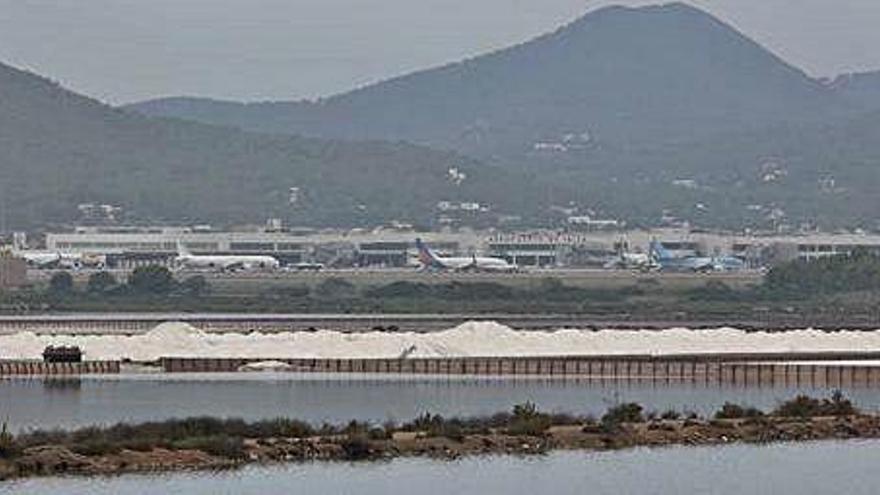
210,443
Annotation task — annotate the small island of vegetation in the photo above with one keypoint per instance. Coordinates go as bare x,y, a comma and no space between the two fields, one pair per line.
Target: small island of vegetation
212,443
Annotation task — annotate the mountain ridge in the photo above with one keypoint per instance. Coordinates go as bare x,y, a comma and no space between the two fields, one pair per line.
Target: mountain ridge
591,75
59,149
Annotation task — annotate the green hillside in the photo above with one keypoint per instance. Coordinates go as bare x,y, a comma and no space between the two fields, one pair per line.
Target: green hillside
639,110
59,149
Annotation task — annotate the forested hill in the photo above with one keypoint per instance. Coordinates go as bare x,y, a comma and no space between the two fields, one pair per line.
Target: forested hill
617,75
59,149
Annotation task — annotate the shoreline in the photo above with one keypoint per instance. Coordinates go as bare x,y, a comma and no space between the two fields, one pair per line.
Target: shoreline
210,444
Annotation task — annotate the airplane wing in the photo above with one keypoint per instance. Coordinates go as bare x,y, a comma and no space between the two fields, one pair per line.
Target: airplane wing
234,265
703,265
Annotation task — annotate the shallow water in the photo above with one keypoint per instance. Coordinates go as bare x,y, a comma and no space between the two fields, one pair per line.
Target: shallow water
28,402
781,469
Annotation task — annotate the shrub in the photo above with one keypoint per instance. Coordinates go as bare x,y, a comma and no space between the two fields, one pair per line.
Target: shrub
670,415
356,447
378,433
839,405
735,411
100,282
153,279
8,446
528,421
280,427
801,406
61,284
713,290
436,426
623,413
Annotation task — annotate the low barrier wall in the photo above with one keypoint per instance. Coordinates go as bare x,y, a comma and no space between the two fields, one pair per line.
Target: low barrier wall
770,370
39,368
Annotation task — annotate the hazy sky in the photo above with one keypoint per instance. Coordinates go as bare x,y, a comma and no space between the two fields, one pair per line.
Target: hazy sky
127,50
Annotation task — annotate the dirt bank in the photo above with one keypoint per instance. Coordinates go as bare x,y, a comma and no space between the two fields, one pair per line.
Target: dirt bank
533,433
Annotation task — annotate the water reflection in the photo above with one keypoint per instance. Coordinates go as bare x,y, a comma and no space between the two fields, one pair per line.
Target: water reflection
781,469
71,384
28,403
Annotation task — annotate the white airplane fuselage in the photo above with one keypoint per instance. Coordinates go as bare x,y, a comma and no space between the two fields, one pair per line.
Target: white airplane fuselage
431,260
475,263
227,262
67,261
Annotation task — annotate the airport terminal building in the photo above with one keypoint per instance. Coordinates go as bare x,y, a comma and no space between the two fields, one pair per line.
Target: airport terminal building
131,247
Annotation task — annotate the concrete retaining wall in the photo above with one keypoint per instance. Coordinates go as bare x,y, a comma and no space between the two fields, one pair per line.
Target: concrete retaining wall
39,368
696,369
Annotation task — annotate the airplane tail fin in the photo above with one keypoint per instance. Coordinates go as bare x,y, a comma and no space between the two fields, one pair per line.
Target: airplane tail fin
182,250
426,256
659,252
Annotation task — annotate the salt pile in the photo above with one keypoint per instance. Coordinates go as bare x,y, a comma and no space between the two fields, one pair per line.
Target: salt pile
469,339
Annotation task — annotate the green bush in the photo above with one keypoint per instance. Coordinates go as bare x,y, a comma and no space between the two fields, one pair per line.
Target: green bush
801,406
623,413
61,284
356,447
528,421
839,405
854,272
100,282
151,280
281,428
735,411
9,448
670,415
435,425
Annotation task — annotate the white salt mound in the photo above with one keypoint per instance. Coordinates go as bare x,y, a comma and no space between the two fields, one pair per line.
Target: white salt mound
469,339
265,366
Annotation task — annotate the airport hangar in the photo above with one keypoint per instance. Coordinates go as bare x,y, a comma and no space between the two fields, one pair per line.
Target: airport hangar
138,246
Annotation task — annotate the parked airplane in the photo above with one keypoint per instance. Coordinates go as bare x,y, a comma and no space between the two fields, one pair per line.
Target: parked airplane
633,261
59,260
431,260
668,262
40,259
226,262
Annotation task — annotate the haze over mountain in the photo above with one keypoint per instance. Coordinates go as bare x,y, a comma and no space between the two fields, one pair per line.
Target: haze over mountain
59,149
631,113
666,104
622,75
859,88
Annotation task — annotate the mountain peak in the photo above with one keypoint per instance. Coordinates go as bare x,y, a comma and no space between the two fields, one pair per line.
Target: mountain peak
624,74
653,13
